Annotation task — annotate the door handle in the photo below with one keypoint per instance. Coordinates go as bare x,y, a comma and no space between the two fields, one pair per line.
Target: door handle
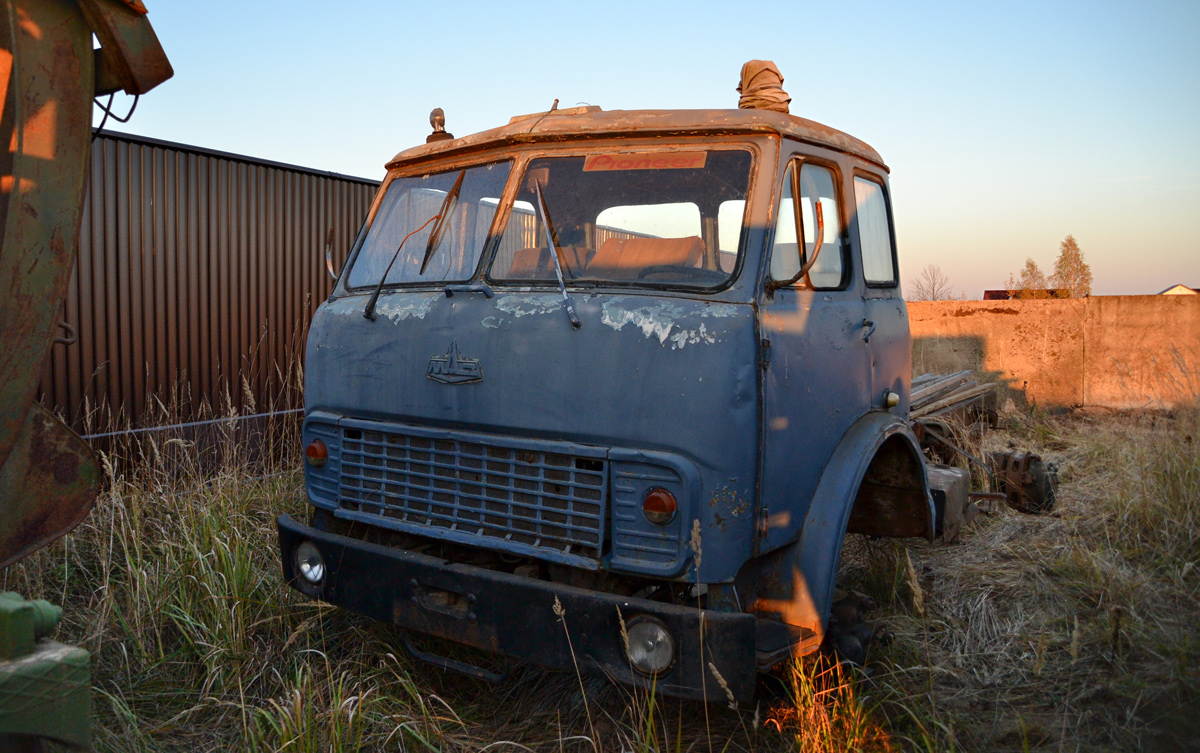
870,327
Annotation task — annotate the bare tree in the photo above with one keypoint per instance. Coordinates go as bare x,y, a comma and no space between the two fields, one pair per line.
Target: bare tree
1071,272
931,285
1032,282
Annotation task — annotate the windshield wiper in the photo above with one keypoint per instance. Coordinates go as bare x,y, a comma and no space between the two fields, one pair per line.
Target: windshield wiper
435,238
562,286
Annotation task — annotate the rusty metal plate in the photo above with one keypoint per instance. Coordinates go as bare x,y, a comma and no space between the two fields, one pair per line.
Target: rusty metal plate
130,56
47,49
48,476
47,485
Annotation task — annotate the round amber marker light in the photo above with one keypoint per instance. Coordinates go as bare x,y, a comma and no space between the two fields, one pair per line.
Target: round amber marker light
316,454
659,506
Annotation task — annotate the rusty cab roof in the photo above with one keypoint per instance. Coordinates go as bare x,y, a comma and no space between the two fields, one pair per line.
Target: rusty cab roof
593,122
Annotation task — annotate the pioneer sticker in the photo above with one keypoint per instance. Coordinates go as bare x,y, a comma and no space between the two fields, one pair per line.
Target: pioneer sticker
658,161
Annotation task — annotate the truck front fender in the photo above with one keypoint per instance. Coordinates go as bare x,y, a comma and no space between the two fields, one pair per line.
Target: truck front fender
874,484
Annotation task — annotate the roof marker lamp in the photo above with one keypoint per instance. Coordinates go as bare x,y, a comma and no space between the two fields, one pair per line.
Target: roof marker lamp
316,454
659,506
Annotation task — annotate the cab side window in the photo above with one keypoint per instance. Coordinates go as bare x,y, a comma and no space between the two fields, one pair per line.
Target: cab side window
816,184
874,232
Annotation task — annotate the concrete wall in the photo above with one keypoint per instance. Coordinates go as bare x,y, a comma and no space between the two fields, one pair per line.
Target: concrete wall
1138,351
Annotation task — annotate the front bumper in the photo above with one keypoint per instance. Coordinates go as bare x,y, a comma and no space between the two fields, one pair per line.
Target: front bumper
515,616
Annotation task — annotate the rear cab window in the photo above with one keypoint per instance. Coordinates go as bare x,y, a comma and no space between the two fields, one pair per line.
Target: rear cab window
874,232
657,218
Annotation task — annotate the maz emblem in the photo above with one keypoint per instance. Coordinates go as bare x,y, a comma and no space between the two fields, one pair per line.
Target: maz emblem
453,368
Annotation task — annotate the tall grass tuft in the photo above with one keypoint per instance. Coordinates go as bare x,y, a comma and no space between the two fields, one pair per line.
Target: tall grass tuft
827,711
173,584
1156,506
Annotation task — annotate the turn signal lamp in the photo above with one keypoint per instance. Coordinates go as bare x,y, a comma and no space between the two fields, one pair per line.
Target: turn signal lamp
316,454
659,506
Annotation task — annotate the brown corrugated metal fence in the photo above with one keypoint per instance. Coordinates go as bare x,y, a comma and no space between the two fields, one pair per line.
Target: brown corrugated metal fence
197,274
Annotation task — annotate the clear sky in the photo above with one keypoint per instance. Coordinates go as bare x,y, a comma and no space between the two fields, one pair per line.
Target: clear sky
1006,125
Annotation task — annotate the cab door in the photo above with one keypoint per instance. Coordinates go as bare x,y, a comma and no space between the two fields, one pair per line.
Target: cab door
814,359
889,341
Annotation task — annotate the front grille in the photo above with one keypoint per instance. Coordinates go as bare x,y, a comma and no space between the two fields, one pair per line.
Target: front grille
489,492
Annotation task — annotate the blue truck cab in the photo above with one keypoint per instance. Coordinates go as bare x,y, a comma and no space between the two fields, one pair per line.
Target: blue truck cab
608,390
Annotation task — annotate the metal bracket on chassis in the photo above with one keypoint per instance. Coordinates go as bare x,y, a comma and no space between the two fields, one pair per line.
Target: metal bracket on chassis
848,634
452,664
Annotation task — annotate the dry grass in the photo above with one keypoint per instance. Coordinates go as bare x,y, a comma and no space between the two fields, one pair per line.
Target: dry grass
1071,632
1076,631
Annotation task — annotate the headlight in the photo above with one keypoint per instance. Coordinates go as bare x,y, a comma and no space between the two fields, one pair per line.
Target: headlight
309,563
651,647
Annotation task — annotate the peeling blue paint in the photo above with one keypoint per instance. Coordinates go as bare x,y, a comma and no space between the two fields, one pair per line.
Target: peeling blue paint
662,321
526,305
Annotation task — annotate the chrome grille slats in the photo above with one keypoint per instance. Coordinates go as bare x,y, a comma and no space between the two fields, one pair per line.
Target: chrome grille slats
490,491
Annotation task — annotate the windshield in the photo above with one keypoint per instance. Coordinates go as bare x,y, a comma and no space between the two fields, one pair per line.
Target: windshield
652,217
412,202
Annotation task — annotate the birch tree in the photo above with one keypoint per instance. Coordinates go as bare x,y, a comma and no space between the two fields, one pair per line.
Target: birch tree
1071,273
1032,282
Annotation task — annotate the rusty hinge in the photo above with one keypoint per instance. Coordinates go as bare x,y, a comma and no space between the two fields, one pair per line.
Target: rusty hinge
764,354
